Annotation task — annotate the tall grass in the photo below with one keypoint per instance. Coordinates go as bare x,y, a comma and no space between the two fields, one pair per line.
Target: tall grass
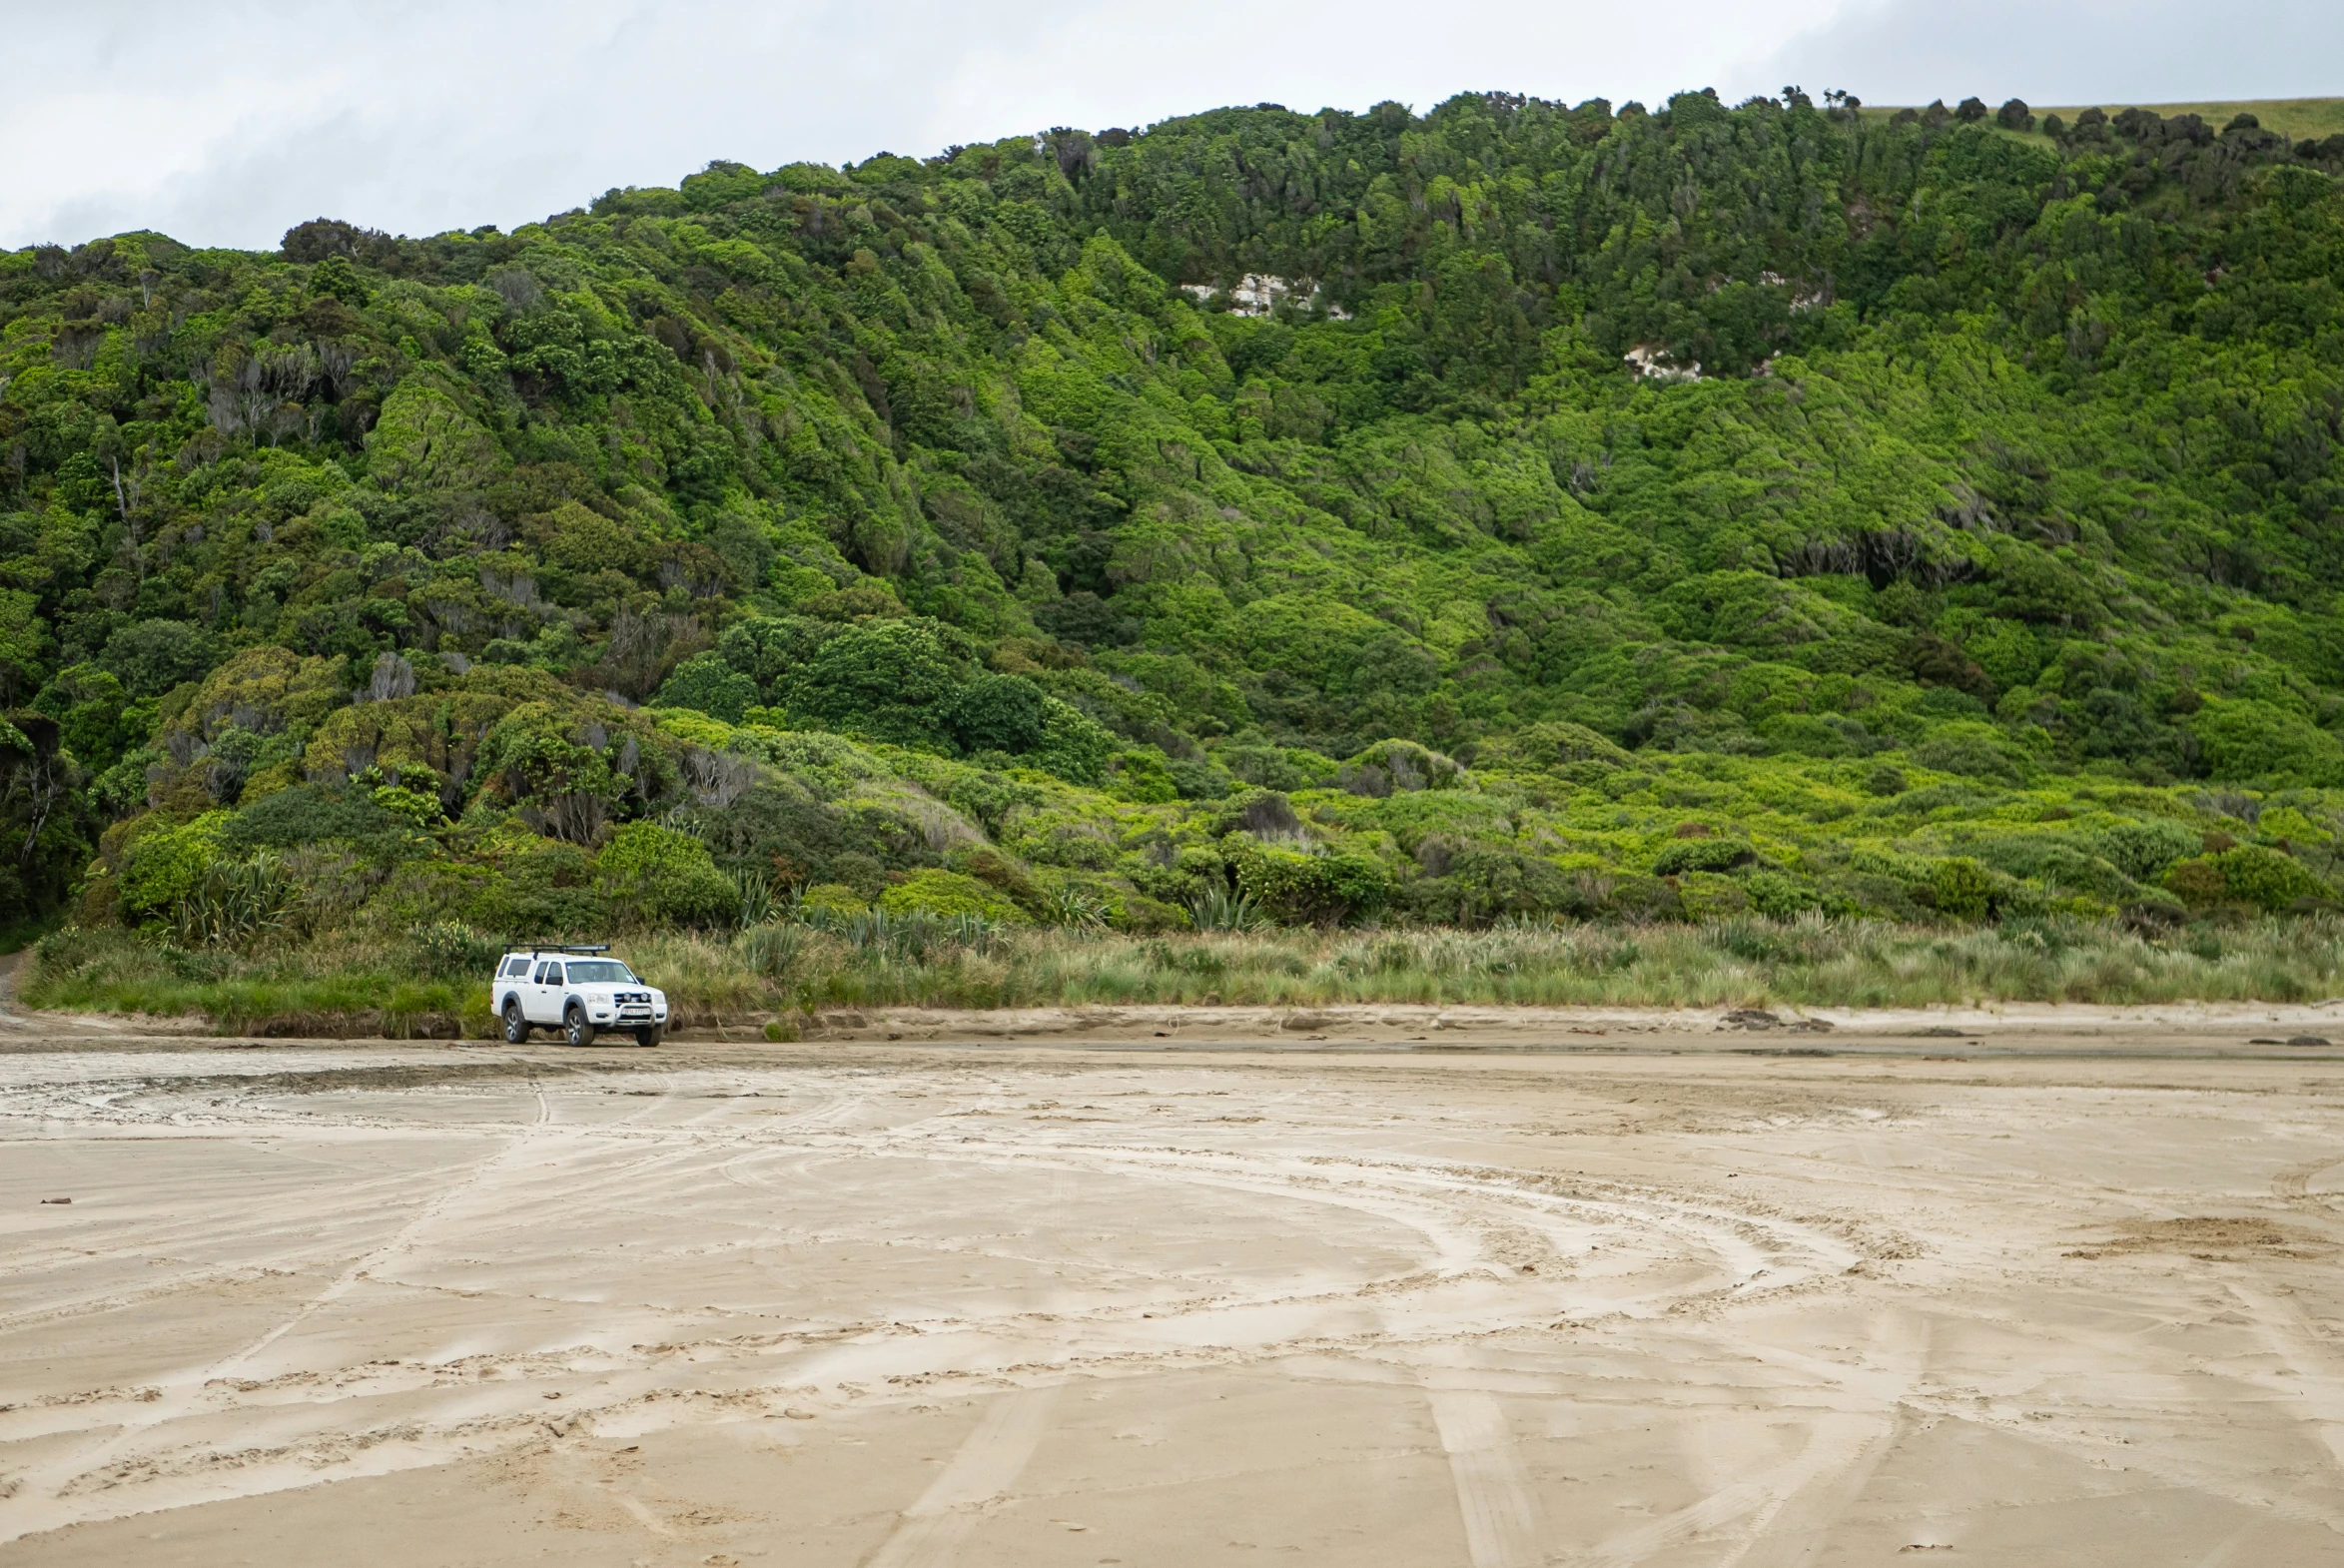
338,976
925,961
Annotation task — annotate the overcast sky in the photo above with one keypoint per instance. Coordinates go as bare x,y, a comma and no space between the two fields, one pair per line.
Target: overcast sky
225,122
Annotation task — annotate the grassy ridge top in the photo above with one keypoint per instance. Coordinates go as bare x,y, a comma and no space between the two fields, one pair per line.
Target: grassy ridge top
1515,511
2301,118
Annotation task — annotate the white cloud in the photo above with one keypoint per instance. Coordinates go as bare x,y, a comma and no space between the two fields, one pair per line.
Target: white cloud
226,124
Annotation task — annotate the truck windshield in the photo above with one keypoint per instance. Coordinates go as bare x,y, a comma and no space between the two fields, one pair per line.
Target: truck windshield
600,971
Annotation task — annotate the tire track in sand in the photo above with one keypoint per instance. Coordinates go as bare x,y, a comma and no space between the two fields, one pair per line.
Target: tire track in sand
2316,1389
1789,1507
987,1464
2293,1184
46,1496
1504,1526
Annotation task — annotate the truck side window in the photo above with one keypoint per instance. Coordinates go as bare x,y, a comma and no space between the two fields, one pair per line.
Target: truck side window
542,970
553,975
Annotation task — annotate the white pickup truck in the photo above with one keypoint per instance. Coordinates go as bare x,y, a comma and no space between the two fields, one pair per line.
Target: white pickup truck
577,991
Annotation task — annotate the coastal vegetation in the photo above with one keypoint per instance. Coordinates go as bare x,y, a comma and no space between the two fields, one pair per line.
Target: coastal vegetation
1378,554
789,977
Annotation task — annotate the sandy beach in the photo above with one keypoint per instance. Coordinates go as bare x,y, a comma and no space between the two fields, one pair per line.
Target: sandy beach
2003,1288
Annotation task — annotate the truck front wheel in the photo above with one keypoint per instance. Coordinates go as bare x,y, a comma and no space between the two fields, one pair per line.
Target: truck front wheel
574,1027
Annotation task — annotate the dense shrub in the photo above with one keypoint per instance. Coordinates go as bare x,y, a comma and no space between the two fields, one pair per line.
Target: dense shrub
2267,879
1961,888
2142,850
1074,745
1701,854
2263,743
149,657
1004,876
1404,765
451,950
1485,885
939,892
166,866
782,829
768,649
1140,915
98,721
2246,874
1140,776
891,679
1708,896
998,713
308,814
1779,896
655,875
2197,882
1302,889
1557,744
2058,864
1975,749
831,898
707,684
547,889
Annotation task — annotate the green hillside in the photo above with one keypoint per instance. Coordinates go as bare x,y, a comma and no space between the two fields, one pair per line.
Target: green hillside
1643,514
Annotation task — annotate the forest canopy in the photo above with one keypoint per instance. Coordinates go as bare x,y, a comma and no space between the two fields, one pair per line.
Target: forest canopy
1519,510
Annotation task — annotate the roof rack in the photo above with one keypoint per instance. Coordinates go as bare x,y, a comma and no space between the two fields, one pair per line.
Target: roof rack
557,947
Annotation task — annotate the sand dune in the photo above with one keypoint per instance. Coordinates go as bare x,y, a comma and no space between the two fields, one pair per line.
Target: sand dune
913,1307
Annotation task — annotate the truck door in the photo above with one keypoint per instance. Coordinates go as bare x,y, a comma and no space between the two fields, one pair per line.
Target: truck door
544,997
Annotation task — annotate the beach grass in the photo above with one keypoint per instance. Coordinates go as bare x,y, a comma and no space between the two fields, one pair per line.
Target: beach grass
1745,962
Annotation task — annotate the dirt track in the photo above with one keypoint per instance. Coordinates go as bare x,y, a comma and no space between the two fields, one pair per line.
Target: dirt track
916,1305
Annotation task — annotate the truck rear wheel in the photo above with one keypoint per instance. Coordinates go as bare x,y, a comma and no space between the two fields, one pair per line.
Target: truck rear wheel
516,1027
